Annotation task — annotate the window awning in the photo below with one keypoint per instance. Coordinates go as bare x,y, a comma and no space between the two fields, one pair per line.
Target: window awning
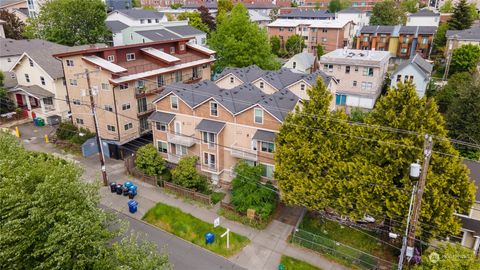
264,136
34,91
210,126
161,117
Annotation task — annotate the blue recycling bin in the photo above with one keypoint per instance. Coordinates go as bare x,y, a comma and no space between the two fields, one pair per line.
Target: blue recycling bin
209,238
128,184
132,206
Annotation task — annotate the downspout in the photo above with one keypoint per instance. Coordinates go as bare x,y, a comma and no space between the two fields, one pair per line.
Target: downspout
68,95
116,113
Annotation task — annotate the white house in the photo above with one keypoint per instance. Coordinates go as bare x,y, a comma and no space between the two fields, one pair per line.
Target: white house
423,17
416,69
359,17
303,62
136,17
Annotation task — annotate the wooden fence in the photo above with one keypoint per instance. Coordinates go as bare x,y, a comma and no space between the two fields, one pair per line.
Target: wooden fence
188,193
229,207
133,171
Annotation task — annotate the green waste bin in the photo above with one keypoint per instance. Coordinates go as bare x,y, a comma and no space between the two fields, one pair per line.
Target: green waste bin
40,121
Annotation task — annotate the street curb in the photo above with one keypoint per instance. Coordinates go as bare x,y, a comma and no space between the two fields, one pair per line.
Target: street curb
160,229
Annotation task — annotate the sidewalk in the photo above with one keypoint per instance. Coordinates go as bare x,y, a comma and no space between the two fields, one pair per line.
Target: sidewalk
264,251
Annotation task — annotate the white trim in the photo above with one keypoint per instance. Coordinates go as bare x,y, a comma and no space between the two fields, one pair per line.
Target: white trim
209,99
264,81
210,108
171,103
302,80
228,74
175,127
168,146
464,238
255,116
36,64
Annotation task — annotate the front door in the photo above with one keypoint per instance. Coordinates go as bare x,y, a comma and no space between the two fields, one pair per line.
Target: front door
178,127
19,100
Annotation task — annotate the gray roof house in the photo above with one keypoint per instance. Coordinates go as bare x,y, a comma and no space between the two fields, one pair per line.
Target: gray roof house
415,69
303,62
457,38
308,14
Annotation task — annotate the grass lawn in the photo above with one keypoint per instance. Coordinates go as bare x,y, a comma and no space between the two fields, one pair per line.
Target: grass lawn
356,238
192,229
294,264
242,219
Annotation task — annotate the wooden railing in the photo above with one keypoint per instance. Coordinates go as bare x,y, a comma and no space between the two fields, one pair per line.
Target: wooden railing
188,193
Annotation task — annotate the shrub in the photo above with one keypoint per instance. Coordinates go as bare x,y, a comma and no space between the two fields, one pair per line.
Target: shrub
66,130
217,197
186,175
248,193
149,161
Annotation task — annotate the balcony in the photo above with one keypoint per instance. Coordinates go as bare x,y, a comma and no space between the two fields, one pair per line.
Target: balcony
185,140
193,79
173,158
243,153
145,110
141,92
211,167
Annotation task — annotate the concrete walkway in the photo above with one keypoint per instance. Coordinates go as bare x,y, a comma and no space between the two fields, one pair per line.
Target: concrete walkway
266,247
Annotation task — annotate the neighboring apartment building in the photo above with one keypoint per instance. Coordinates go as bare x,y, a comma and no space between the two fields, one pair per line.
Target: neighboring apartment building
126,79
359,17
307,14
470,234
34,7
323,4
136,17
118,4
262,7
331,34
122,34
360,75
402,41
457,38
259,18
415,69
234,118
423,17
160,3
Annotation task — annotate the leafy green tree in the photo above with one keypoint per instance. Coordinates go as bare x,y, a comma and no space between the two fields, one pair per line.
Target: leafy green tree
186,175
337,5
462,16
240,42
195,20
13,26
176,5
447,7
440,38
409,5
207,18
465,59
70,22
273,13
323,162
387,13
248,193
447,93
294,44
449,257
462,114
275,44
320,51
149,161
224,7
473,11
136,3
6,104
50,220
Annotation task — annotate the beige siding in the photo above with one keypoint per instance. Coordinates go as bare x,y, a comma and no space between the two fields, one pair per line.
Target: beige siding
226,83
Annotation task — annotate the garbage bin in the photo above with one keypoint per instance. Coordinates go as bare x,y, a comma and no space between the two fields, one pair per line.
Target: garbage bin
133,189
125,191
119,189
209,238
35,121
131,195
128,184
40,122
132,206
113,187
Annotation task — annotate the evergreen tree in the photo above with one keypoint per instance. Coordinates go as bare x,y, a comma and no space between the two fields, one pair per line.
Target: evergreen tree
449,257
70,22
462,16
320,51
275,44
447,7
240,42
207,18
337,5
410,6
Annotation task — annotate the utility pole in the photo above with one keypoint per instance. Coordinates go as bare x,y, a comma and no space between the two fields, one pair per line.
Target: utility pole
95,122
427,153
404,245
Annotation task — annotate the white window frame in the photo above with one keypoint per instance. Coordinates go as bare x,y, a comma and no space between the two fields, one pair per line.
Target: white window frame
261,85
27,77
302,87
70,63
130,57
128,126
182,47
232,79
176,102
111,128
213,103
80,121
159,125
126,106
269,143
172,50
265,169
42,80
30,61
111,58
73,82
108,108
159,142
255,115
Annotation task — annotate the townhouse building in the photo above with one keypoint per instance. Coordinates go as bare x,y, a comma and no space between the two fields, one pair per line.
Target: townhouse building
125,80
136,17
263,7
307,14
457,38
234,118
415,69
323,4
359,74
331,34
402,41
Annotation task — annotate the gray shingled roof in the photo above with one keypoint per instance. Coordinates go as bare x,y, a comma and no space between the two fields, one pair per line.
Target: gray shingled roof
410,30
116,26
185,30
35,91
470,224
395,30
161,117
210,126
307,14
10,47
213,5
264,136
141,13
9,2
430,30
424,13
474,176
467,34
351,10
421,64
158,35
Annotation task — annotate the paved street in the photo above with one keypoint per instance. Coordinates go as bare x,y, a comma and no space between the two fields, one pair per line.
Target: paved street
264,251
